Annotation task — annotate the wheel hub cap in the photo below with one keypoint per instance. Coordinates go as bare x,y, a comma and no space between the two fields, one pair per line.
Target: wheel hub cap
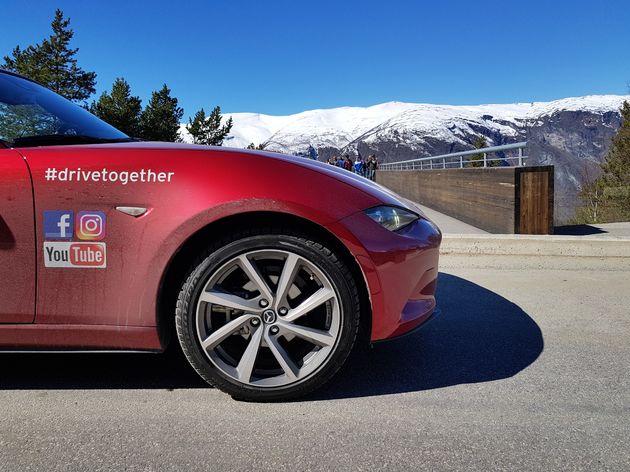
269,316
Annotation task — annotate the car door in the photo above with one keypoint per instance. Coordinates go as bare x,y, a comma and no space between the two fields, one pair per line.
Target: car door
93,258
17,240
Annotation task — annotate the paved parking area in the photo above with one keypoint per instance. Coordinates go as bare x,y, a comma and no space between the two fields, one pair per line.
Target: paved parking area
522,370
450,225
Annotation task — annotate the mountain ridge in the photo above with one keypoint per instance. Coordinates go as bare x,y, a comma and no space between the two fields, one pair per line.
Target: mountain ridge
330,123
571,133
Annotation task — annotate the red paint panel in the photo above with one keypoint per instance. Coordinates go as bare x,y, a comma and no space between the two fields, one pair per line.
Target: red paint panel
17,241
184,189
77,337
405,265
205,185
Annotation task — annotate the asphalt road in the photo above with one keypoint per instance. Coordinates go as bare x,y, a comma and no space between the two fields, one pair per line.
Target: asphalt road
522,370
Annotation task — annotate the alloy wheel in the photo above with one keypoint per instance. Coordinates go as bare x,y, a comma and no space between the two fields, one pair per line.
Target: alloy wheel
268,318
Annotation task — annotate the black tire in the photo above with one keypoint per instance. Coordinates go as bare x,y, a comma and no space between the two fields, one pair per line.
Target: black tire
268,239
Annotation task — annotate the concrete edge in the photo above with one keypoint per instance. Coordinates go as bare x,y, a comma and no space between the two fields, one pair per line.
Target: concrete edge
534,245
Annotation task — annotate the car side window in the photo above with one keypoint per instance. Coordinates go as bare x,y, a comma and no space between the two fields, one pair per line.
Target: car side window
33,115
25,120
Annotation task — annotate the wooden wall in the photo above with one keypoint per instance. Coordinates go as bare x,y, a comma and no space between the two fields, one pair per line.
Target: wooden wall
498,200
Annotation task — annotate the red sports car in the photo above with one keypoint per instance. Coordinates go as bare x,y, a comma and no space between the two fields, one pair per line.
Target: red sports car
266,268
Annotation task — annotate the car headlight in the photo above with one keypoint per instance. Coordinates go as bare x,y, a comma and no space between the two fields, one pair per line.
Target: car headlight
392,218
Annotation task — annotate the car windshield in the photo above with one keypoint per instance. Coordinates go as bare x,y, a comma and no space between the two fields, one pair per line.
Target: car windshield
31,115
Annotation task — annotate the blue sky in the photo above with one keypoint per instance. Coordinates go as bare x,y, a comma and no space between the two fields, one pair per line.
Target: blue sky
281,57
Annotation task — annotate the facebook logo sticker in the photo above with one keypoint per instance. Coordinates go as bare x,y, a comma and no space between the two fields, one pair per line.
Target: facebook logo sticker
58,224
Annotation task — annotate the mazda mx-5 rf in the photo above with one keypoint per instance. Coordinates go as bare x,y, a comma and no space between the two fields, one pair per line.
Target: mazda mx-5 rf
267,269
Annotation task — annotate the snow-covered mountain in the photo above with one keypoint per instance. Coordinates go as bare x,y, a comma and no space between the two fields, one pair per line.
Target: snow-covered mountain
415,123
571,133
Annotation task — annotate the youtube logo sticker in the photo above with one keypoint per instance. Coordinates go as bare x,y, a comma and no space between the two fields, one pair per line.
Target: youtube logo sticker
77,255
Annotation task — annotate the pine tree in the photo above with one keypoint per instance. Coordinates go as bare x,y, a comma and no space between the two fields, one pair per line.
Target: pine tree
260,147
119,108
161,117
616,170
207,129
607,198
476,160
53,63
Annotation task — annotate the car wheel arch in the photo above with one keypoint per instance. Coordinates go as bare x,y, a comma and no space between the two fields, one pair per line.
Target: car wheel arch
176,270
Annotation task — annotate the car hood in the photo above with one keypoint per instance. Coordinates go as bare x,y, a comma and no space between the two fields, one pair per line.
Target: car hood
376,191
369,187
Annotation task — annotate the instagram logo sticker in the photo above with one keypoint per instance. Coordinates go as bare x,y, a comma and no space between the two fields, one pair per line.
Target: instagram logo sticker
90,225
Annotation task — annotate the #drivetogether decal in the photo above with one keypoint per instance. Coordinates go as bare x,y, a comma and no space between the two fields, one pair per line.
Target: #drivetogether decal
52,174
61,227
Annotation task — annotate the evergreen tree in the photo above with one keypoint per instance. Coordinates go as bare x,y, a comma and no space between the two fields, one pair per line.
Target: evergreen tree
53,63
607,198
119,108
260,147
161,117
476,160
208,129
616,168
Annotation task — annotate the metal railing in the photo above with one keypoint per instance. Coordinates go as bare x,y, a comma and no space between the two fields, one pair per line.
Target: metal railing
457,160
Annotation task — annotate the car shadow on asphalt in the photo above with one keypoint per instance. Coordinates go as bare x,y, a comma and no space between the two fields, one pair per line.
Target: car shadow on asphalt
478,336
98,371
